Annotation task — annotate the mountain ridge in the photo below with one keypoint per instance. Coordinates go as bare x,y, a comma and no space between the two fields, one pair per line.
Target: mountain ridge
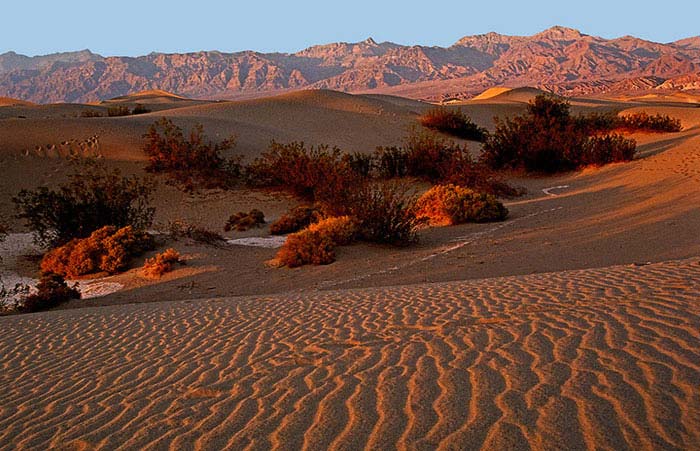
558,59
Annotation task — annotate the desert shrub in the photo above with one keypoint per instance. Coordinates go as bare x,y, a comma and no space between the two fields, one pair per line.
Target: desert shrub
90,113
118,110
93,198
451,204
52,290
3,232
452,122
384,213
342,230
296,219
108,249
162,263
140,109
180,229
391,162
609,149
546,139
242,221
315,174
645,122
307,247
359,163
193,161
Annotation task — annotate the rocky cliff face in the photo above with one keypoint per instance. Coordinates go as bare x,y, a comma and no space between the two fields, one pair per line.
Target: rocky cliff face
559,59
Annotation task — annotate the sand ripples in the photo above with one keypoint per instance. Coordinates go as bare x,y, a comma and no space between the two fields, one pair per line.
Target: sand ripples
606,358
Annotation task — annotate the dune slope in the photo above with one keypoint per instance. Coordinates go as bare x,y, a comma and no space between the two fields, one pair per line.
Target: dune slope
604,359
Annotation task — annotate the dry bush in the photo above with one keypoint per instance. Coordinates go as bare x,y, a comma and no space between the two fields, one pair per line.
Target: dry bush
118,110
95,197
162,263
342,230
52,290
360,163
609,149
242,221
307,247
140,109
644,122
108,249
180,229
90,113
548,139
384,213
193,161
391,162
451,204
295,219
453,122
315,174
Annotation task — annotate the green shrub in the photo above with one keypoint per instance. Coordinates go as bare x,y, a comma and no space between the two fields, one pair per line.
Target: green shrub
450,204
295,219
108,249
193,161
548,139
118,110
453,122
242,221
93,198
52,290
384,213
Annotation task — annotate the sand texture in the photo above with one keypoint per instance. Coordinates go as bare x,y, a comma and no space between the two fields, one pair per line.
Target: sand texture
588,359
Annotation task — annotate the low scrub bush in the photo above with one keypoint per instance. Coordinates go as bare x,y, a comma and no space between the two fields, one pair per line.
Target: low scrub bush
181,229
391,162
451,204
316,174
548,139
453,122
296,219
307,248
361,164
242,221
384,213
140,109
162,263
644,122
90,113
93,198
342,230
52,290
108,249
118,110
609,149
193,161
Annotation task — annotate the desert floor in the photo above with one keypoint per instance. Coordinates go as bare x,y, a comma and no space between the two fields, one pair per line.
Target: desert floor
575,324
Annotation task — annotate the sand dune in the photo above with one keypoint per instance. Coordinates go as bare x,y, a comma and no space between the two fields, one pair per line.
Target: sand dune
502,94
604,359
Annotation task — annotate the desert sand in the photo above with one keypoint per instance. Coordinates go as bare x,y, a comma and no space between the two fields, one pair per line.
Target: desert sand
574,324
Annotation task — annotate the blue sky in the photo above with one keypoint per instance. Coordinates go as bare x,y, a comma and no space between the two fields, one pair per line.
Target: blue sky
129,27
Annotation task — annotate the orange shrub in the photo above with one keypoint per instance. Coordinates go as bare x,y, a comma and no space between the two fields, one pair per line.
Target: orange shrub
451,204
340,229
108,249
162,263
307,247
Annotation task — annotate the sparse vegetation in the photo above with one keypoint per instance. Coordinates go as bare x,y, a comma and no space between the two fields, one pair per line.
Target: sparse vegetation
93,198
548,139
242,221
90,113
118,110
384,213
193,161
162,263
644,122
342,230
108,249
451,204
52,290
295,219
140,109
453,122
180,229
306,248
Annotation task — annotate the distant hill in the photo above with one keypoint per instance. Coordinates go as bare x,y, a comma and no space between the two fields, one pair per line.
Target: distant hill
559,59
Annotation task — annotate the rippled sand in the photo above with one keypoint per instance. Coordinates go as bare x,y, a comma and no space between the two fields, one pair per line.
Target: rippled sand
598,359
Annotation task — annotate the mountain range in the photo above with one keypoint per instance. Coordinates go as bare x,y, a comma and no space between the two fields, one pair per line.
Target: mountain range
559,59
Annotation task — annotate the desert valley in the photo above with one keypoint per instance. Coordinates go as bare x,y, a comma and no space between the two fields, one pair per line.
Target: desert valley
561,311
